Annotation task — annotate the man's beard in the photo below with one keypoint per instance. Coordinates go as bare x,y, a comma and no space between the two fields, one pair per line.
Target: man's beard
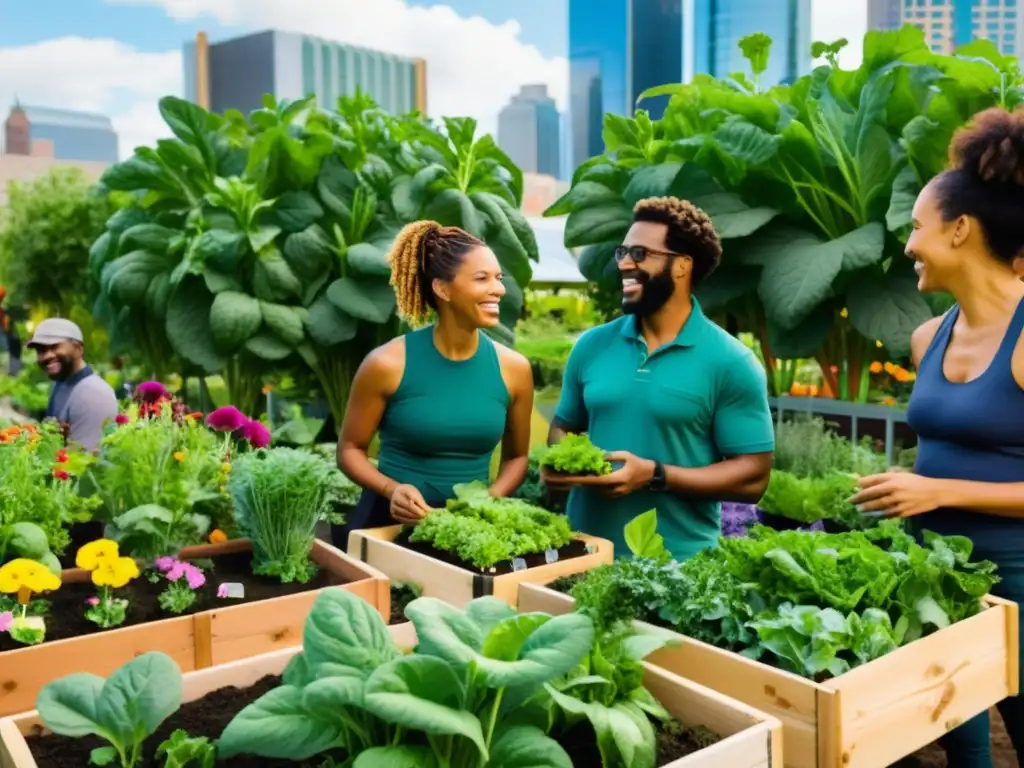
67,365
655,292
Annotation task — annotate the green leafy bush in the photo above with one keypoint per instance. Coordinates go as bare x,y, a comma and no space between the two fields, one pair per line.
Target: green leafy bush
807,447
808,499
484,530
575,455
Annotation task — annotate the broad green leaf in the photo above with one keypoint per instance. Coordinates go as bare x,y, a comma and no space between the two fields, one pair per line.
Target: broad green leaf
400,756
726,284
28,540
146,237
601,224
273,279
524,232
218,282
422,693
157,294
649,181
137,174
506,638
746,142
863,247
452,208
619,132
296,210
525,746
188,324
887,308
309,253
586,194
234,319
68,706
732,217
102,756
267,347
342,629
145,517
220,248
804,339
344,687
905,190
327,325
336,185
285,322
191,124
128,277
486,148
278,726
642,535
502,238
261,237
139,696
597,260
488,611
370,300
368,259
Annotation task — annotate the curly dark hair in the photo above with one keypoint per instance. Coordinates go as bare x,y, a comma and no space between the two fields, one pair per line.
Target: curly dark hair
690,232
425,251
985,179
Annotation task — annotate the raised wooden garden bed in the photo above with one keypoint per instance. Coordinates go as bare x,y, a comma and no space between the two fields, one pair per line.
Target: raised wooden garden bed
874,714
750,739
458,584
221,634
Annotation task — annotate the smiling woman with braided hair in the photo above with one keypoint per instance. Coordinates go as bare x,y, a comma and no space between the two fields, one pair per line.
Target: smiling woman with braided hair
442,397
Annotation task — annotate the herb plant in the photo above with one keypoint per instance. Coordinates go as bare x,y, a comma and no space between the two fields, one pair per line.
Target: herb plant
280,495
484,530
124,710
183,579
575,455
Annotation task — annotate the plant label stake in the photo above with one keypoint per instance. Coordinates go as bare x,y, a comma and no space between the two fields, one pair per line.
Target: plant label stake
231,590
518,564
550,556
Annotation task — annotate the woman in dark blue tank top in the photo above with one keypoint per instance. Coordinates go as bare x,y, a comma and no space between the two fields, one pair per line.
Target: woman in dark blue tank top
967,406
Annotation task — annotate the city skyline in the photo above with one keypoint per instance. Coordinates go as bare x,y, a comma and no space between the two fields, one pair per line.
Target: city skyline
118,57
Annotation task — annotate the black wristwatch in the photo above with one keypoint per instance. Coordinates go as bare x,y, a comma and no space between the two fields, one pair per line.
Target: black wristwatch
658,482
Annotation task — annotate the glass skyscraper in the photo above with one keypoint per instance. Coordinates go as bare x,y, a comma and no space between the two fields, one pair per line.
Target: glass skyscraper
948,24
620,48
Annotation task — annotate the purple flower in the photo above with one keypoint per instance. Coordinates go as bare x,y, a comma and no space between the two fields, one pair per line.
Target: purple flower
195,577
222,591
6,620
256,433
226,419
165,563
152,392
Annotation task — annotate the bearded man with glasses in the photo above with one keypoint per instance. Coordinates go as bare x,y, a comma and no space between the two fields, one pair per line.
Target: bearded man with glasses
679,404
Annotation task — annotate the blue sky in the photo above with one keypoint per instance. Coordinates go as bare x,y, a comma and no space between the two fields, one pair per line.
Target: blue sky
23,22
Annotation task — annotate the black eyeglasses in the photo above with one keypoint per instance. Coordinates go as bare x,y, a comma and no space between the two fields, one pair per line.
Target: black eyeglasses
637,253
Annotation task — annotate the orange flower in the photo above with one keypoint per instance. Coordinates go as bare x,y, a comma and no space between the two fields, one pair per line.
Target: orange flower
179,456
217,536
61,457
60,474
876,367
195,415
889,401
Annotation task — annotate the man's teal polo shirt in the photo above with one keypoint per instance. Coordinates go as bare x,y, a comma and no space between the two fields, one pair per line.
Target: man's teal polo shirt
701,398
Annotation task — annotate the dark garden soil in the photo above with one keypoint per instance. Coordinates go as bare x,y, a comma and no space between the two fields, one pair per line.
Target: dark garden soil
674,742
66,616
401,596
932,756
573,549
209,716
564,584
81,534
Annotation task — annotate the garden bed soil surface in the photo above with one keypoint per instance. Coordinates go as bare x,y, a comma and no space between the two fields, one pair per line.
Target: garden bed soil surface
209,716
401,596
571,550
66,616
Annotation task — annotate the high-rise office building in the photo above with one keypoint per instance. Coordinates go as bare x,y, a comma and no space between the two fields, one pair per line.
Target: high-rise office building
60,134
619,48
714,31
237,73
948,24
529,128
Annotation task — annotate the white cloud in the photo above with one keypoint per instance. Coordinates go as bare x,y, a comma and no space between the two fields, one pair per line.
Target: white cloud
473,66
831,20
93,75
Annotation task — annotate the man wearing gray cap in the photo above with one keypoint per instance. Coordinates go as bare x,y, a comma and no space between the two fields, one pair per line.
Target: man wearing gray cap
79,398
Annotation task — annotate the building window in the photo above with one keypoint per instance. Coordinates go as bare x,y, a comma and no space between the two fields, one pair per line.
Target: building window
343,89
385,84
308,68
401,88
327,61
414,88
357,70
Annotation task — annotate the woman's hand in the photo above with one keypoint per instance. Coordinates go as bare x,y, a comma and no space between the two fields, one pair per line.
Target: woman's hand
408,505
898,494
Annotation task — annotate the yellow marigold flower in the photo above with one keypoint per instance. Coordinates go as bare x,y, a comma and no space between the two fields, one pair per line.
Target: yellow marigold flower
217,536
115,572
96,552
179,456
225,467
26,576
844,312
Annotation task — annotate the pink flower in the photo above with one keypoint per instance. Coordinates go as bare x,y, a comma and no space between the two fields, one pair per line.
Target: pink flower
222,591
121,419
93,601
226,419
195,578
152,392
165,563
176,571
256,433
6,620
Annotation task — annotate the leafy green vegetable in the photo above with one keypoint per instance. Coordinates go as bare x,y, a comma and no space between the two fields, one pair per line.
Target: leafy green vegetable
808,499
484,530
575,455
182,750
124,710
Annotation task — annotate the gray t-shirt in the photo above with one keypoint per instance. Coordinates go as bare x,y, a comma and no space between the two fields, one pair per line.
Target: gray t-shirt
84,402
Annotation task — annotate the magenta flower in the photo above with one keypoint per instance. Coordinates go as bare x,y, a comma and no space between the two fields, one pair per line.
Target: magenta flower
121,419
195,577
222,591
152,392
226,419
176,571
93,601
6,620
256,433
165,563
